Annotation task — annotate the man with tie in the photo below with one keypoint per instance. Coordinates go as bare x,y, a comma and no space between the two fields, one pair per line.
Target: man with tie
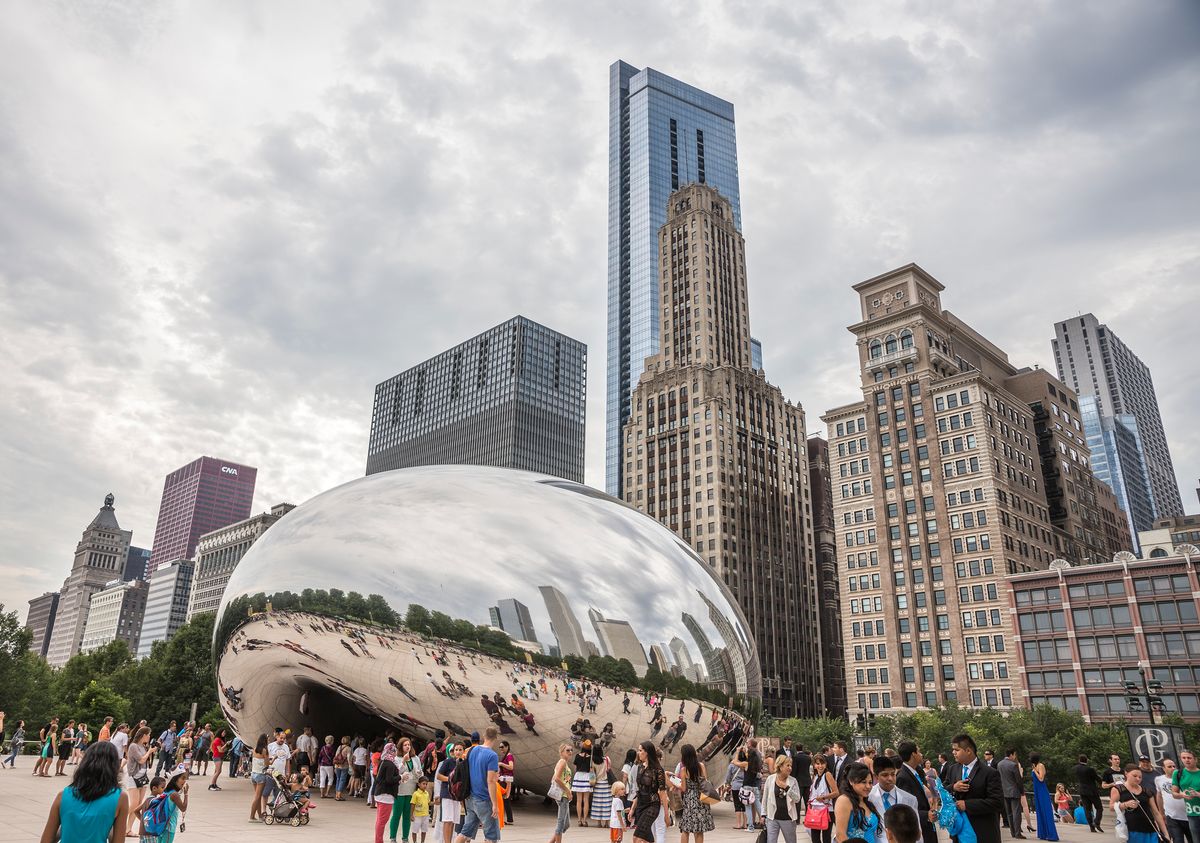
1012,784
911,780
839,762
976,788
885,794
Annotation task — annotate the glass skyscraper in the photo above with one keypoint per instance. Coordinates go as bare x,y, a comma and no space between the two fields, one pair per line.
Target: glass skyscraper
512,397
662,134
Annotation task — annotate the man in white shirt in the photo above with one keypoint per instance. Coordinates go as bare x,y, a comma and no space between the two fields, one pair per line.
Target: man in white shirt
1174,808
120,739
885,794
837,762
306,749
279,753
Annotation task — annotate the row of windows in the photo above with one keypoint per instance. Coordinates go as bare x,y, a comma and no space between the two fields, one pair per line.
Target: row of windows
885,438
871,676
955,422
981,618
952,400
869,652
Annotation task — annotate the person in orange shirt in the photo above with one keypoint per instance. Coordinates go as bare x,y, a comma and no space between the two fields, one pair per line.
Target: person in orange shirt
105,730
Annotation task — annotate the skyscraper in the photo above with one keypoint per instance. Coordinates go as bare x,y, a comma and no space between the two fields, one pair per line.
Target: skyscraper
218,554
718,455
617,639
115,614
202,496
564,625
1093,361
40,621
99,558
662,134
513,617
512,397
937,493
166,603
833,662
136,563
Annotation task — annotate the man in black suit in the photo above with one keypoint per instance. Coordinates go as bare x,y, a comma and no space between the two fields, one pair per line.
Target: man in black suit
1089,792
976,788
910,779
839,762
802,771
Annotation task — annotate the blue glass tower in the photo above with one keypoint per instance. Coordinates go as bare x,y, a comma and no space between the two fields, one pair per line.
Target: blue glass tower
1117,459
662,134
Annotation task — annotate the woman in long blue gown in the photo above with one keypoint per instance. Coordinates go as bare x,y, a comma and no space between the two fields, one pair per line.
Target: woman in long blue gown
1042,803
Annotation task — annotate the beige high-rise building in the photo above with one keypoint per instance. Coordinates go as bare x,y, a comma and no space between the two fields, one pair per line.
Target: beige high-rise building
99,558
218,554
717,454
938,495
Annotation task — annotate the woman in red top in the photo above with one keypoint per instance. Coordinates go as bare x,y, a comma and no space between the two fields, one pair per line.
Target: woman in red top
218,754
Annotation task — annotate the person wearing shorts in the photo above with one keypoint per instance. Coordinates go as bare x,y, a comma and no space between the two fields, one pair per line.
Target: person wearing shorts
420,810
450,810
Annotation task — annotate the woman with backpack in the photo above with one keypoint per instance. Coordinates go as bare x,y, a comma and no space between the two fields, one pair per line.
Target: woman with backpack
90,809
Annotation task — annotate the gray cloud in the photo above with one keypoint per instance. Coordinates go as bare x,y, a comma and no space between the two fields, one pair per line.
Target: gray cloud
220,227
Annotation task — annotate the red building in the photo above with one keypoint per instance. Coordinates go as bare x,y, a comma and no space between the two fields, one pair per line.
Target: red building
200,497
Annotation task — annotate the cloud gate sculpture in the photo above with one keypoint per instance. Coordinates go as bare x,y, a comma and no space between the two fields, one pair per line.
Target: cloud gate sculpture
452,597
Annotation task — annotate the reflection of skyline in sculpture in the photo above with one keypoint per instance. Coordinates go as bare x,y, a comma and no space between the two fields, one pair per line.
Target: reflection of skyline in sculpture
617,639
734,647
512,616
563,623
683,658
344,572
660,659
713,663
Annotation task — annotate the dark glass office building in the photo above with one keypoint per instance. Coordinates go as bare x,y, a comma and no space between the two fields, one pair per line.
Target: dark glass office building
662,134
512,397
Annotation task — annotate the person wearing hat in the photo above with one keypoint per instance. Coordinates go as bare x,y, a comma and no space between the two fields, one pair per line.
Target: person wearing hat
1149,774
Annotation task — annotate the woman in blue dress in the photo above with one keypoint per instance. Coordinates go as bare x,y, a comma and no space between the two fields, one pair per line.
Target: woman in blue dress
90,809
853,815
1042,803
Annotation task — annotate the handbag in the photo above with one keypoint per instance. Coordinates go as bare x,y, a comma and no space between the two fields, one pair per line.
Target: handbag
555,792
709,795
816,817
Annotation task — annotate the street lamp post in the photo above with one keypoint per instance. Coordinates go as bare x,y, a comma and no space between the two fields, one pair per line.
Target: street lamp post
1150,691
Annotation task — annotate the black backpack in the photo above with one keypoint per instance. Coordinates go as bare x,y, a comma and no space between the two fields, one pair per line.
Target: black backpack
460,778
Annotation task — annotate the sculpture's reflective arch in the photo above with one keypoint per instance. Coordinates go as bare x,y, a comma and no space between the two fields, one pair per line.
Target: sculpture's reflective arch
383,602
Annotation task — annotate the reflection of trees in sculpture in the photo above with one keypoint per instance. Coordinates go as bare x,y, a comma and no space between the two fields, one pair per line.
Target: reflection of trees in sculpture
374,610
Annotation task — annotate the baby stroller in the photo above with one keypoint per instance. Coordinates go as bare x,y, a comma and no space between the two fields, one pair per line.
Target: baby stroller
285,809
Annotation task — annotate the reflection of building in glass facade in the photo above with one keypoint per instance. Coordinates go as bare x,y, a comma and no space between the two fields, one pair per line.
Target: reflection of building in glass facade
563,623
714,665
513,617
683,658
202,496
99,559
40,621
617,639
659,658
512,397
218,553
1117,452
756,354
115,613
166,603
1093,361
716,453
662,134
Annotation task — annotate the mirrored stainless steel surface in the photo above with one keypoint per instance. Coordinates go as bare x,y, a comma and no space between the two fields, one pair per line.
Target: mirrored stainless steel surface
450,597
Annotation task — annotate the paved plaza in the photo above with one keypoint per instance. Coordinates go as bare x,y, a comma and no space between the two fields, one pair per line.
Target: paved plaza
223,816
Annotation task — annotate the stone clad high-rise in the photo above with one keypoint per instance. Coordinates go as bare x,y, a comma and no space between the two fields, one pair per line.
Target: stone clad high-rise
1121,416
716,453
662,134
99,559
953,471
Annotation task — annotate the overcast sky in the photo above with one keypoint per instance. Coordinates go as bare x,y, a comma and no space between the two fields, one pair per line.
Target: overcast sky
221,224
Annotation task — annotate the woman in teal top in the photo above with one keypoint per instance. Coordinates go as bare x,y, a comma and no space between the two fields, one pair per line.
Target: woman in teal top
90,809
853,814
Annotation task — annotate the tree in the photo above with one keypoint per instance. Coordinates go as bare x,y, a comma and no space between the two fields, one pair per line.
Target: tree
82,668
97,701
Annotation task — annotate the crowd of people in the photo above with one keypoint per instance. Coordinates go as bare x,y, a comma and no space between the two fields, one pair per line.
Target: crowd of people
448,789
